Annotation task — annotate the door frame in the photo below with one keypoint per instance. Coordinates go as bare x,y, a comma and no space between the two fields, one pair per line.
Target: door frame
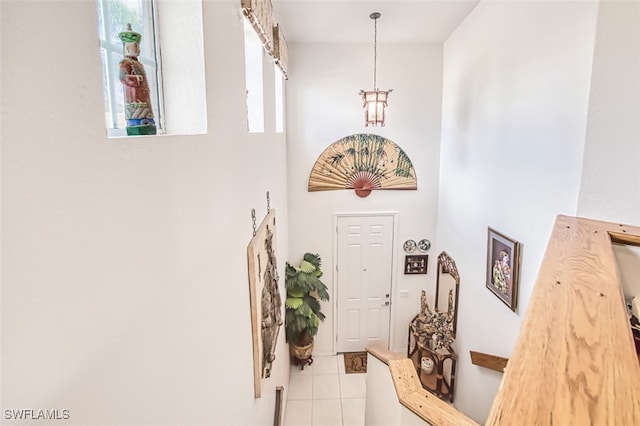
394,263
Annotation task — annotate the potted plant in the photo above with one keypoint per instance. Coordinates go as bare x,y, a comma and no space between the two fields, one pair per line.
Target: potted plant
303,314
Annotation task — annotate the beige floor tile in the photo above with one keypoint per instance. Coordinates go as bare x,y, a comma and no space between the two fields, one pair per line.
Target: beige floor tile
298,413
327,412
300,387
353,412
353,386
325,365
326,386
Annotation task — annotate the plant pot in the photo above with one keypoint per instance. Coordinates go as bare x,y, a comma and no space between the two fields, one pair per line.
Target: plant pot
302,352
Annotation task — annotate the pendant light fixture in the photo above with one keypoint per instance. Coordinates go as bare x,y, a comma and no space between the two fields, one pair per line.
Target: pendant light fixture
374,101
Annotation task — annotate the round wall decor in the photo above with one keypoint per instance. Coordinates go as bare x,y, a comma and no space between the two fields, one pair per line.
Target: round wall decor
409,246
424,245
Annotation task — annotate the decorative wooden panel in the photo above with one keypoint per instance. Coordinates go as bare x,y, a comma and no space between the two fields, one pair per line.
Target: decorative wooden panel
260,14
266,303
280,50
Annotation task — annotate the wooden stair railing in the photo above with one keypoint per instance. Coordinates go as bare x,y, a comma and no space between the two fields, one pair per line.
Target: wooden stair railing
413,396
574,362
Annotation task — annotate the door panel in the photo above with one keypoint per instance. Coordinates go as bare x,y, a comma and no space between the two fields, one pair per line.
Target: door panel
365,252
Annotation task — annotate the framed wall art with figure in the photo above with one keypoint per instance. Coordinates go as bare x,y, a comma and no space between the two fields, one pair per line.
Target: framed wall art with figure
503,267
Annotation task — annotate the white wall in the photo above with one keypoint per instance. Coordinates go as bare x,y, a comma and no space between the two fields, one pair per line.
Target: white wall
515,100
324,106
124,269
383,407
611,176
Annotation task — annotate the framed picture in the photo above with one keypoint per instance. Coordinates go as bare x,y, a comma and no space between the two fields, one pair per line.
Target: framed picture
416,264
503,264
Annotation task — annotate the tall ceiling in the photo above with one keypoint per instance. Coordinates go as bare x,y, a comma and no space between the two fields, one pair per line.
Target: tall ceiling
347,21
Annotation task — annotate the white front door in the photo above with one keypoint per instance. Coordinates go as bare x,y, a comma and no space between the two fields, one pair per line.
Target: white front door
363,284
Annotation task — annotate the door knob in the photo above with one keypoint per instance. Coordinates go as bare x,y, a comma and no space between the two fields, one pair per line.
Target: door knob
386,295
386,303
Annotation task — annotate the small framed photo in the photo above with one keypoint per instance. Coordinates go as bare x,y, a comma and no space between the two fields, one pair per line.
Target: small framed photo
416,264
503,267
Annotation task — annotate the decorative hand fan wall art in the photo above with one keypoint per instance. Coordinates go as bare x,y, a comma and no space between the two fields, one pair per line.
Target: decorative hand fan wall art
362,162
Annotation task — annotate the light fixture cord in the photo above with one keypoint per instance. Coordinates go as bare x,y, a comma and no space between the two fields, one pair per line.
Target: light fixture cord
375,51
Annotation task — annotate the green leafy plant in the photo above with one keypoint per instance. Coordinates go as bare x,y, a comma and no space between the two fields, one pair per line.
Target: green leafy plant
303,314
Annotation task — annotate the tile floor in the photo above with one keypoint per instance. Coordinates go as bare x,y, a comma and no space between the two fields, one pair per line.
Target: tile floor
323,395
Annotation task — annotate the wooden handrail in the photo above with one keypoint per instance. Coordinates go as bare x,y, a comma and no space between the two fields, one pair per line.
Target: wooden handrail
574,362
412,395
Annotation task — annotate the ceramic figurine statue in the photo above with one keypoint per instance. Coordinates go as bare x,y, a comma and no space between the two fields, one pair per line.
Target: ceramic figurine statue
424,307
137,102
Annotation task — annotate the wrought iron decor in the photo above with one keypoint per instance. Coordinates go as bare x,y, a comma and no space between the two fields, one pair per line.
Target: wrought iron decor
363,162
432,333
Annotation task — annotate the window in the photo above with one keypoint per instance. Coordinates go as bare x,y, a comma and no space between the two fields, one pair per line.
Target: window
113,17
279,95
253,75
